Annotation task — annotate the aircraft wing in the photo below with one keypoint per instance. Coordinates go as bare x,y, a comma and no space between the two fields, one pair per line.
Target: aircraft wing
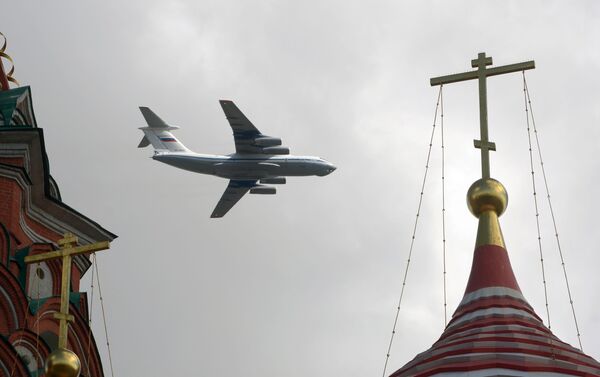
238,121
248,139
233,193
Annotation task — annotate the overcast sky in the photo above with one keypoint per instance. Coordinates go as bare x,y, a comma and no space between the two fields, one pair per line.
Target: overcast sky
305,283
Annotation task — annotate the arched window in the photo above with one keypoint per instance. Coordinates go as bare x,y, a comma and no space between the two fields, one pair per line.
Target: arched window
30,355
18,119
39,284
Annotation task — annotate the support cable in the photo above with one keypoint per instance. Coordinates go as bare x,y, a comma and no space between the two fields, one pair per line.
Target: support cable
537,213
443,205
91,311
112,373
562,261
412,242
535,202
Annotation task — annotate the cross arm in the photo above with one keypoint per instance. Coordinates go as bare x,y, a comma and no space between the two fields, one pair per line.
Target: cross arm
64,317
457,77
84,249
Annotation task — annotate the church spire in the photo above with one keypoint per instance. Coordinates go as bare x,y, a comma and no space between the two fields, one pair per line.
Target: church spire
494,331
487,198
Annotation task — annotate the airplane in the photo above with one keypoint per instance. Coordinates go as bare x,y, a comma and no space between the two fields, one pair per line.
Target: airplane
259,160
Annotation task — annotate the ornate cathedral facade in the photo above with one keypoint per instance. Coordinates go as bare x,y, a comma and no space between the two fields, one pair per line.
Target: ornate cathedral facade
33,218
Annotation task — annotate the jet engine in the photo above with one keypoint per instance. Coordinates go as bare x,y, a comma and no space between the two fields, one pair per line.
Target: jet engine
267,141
274,180
276,150
263,190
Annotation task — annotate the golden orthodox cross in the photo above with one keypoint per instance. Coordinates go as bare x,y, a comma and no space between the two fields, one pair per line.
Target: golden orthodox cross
482,73
68,249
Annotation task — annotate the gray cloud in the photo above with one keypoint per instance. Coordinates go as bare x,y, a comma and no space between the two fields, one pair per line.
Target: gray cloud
306,283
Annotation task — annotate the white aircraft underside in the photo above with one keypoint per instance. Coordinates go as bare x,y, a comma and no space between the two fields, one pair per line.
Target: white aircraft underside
259,159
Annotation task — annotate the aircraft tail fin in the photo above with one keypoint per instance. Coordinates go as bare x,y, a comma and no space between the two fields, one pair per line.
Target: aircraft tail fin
158,134
152,119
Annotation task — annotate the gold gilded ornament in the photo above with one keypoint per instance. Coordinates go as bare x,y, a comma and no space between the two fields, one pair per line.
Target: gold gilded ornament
62,363
487,199
487,194
4,55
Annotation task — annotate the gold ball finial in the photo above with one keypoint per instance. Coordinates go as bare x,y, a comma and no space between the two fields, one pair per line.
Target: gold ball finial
487,194
62,363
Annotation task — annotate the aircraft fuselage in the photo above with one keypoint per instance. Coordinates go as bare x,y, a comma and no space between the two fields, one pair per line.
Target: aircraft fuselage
240,166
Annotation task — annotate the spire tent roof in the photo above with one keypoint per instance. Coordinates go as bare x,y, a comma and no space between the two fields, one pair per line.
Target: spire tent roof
494,330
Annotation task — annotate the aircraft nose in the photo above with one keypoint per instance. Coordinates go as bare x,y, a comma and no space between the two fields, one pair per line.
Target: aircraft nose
325,168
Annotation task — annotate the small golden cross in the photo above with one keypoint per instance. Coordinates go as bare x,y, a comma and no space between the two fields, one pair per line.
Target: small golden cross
68,249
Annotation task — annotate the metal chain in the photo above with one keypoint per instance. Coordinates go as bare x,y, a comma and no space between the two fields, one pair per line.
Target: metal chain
535,202
562,261
412,242
104,320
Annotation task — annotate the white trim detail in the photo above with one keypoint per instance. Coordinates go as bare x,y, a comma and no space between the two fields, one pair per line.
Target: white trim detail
490,311
498,372
492,330
491,292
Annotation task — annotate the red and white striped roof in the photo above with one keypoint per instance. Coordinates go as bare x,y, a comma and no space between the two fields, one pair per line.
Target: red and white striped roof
495,332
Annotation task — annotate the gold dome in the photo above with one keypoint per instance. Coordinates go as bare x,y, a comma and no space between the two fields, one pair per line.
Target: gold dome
487,194
62,363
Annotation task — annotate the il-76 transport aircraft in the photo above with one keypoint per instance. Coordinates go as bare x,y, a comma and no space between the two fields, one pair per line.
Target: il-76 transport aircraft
258,160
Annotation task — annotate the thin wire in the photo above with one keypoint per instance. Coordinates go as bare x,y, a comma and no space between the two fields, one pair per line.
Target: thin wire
562,261
537,213
412,242
89,345
104,319
443,205
535,202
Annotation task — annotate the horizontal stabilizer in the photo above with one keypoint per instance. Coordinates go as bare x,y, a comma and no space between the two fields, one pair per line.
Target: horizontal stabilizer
144,142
